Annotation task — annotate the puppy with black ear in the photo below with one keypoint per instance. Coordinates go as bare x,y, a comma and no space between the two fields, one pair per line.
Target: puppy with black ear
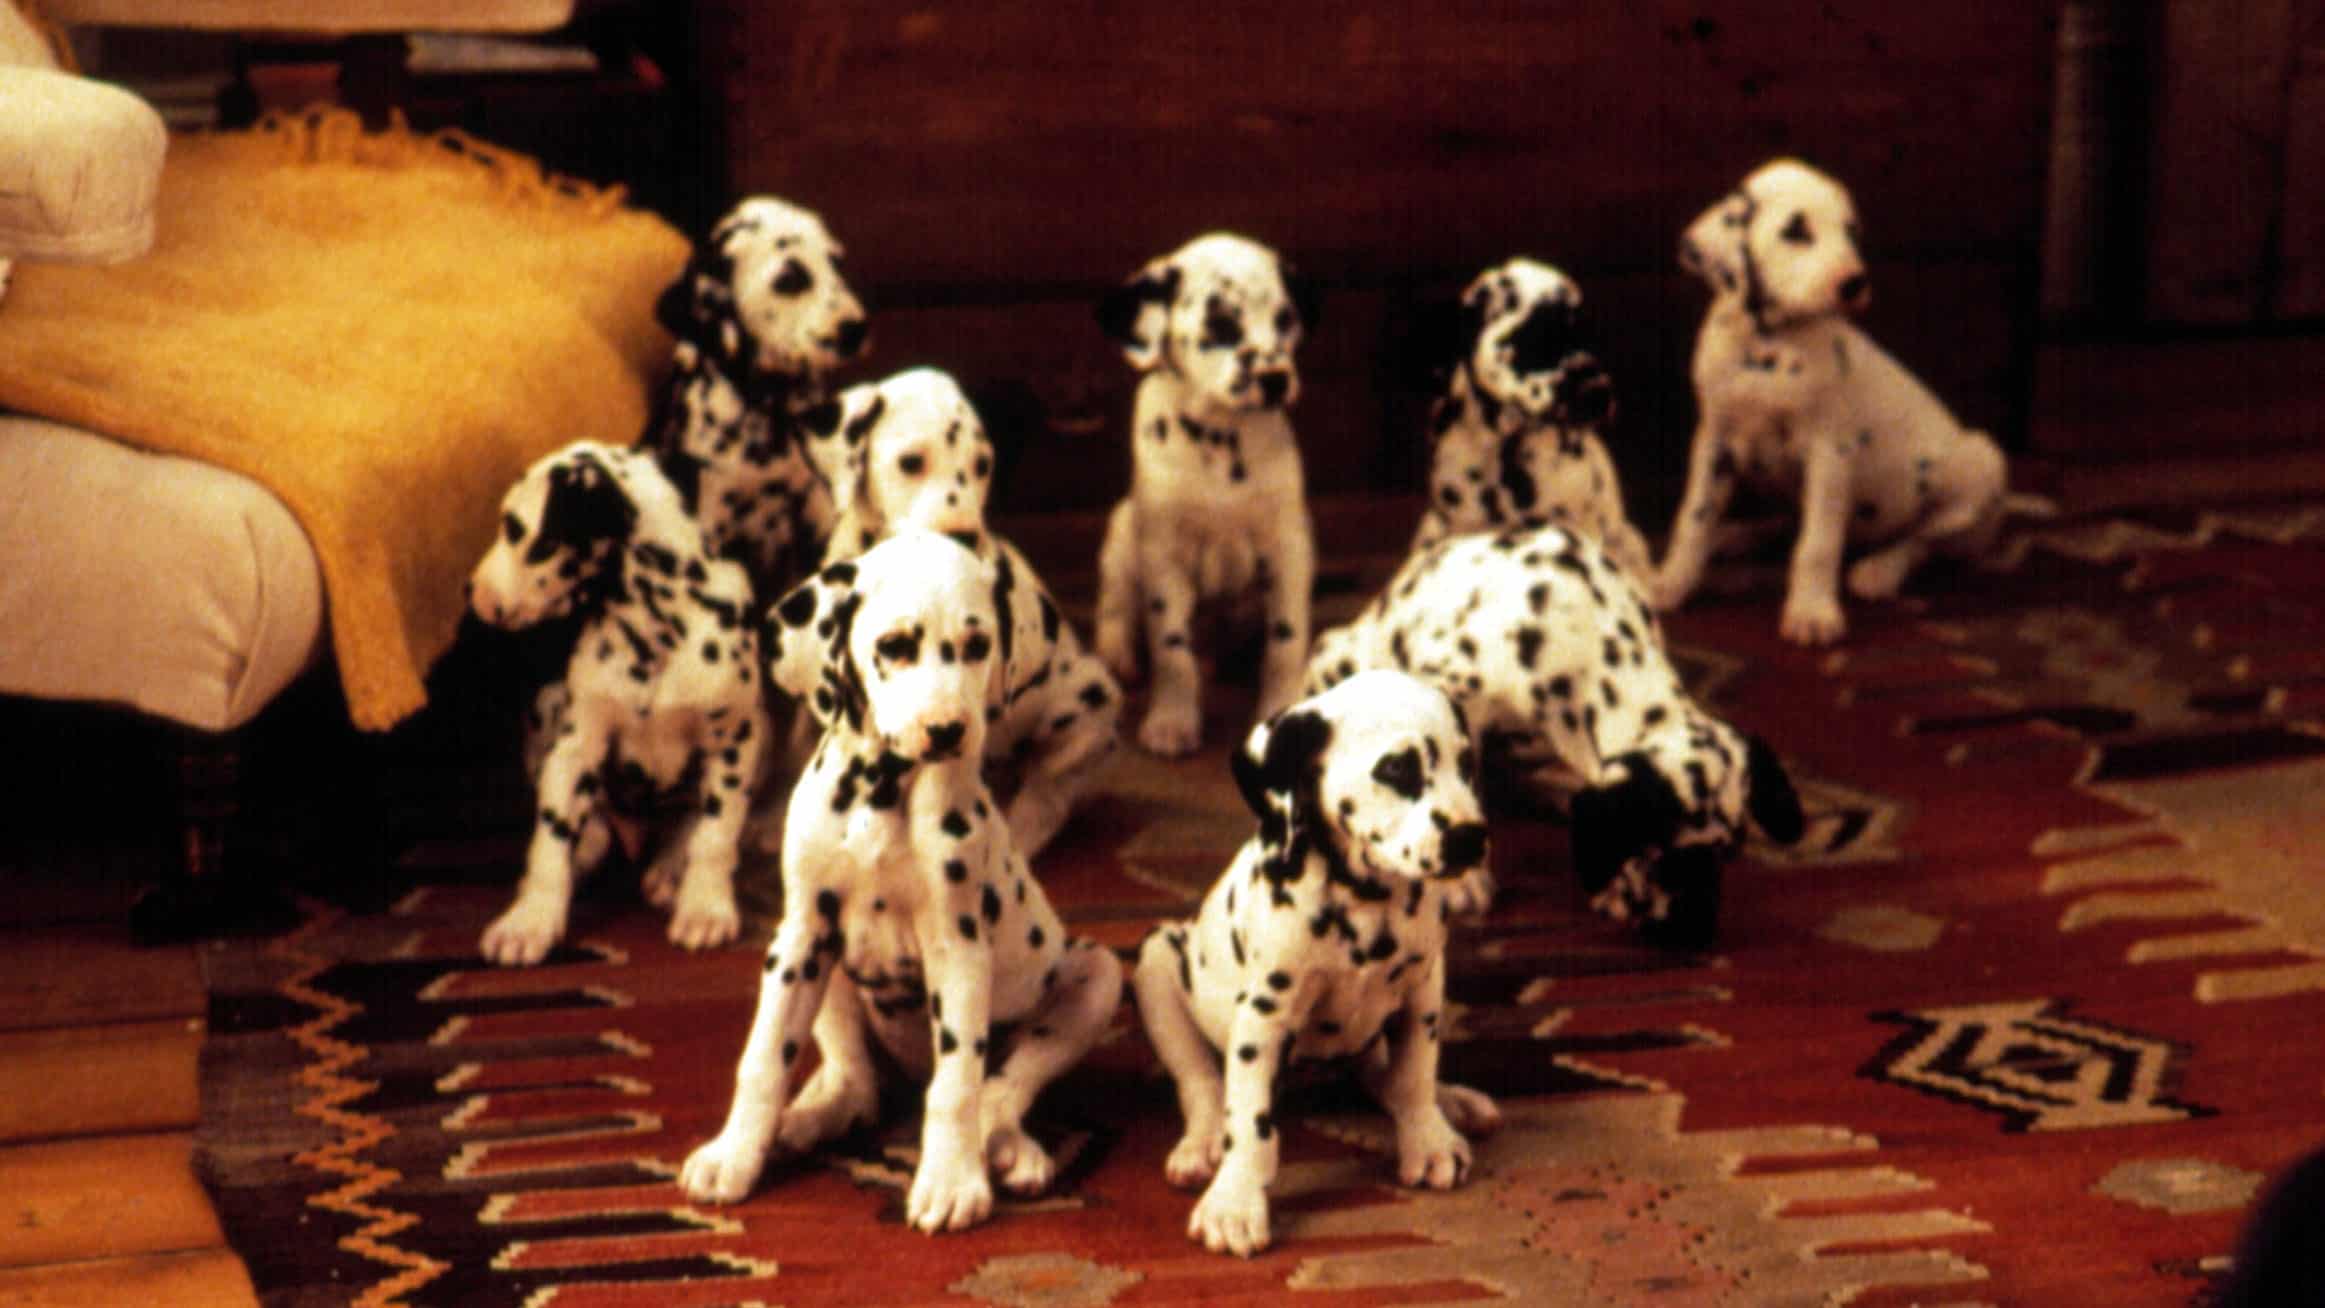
1552,652
1217,512
763,316
910,452
1796,400
1325,938
655,738
1519,435
908,916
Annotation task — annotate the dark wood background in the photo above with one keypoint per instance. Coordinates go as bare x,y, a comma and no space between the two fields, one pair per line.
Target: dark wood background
993,166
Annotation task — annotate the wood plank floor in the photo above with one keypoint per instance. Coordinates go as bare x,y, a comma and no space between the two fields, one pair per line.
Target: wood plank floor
99,1042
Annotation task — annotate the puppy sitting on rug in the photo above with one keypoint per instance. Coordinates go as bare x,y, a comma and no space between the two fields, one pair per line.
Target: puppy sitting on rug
910,451
763,316
656,735
1549,648
1796,400
1520,432
908,916
1216,511
1325,937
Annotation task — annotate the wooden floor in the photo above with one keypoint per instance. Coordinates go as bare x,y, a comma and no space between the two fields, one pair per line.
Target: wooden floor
99,1041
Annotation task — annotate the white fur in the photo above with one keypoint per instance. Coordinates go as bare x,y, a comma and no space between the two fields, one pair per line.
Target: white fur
663,682
1325,937
908,915
1217,513
1519,433
910,451
1794,398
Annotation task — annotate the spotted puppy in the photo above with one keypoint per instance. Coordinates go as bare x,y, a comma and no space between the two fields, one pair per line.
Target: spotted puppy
1547,645
1520,431
1325,937
1795,399
908,915
910,452
763,316
659,716
1216,510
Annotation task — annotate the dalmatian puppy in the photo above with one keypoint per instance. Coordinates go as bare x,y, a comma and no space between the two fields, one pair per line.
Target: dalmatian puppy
1324,938
910,451
1519,433
659,721
909,917
1216,511
1549,647
1796,400
762,317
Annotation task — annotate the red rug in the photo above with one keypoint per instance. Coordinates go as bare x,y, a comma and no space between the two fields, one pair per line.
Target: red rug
2029,1018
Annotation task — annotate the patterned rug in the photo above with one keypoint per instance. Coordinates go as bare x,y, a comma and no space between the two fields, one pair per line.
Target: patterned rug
2029,1018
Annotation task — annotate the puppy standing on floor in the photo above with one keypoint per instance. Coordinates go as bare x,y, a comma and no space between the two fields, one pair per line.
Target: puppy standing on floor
907,914
1519,434
1795,399
660,708
1217,509
910,451
1549,648
763,316
1325,937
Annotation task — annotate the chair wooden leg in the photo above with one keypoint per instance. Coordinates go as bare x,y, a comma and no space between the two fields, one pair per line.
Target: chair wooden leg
215,887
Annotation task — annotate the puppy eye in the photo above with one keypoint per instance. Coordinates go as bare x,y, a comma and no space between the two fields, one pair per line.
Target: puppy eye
794,279
512,528
1796,232
976,647
984,467
913,465
898,648
1400,772
1222,331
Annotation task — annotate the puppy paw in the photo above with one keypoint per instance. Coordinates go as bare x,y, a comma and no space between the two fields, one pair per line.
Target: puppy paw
1171,730
1115,650
1230,1219
721,1172
1812,622
1880,576
704,921
659,886
1195,1159
1472,894
1471,1112
1023,1166
1665,593
522,936
949,1193
1431,1154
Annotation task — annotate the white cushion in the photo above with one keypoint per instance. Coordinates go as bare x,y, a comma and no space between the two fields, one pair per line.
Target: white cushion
79,164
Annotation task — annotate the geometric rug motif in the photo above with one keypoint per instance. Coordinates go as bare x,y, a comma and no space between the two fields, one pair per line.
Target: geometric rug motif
2034,1067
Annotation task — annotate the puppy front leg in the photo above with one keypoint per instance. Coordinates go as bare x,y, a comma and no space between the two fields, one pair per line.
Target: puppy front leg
1162,983
569,796
1119,600
791,989
950,1191
1291,582
704,914
1074,1011
1711,482
1232,1217
1174,710
1812,602
1430,1152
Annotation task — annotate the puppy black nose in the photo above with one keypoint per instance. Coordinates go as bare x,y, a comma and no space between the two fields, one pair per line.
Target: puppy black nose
1857,292
1464,847
1274,386
946,737
852,334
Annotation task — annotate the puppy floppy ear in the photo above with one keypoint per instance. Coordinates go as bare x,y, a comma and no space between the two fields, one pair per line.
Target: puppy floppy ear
837,439
1615,824
1275,769
586,505
1137,312
1713,247
1773,803
803,639
700,305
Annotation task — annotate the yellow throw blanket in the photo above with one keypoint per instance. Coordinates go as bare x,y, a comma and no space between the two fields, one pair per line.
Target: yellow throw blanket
383,329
